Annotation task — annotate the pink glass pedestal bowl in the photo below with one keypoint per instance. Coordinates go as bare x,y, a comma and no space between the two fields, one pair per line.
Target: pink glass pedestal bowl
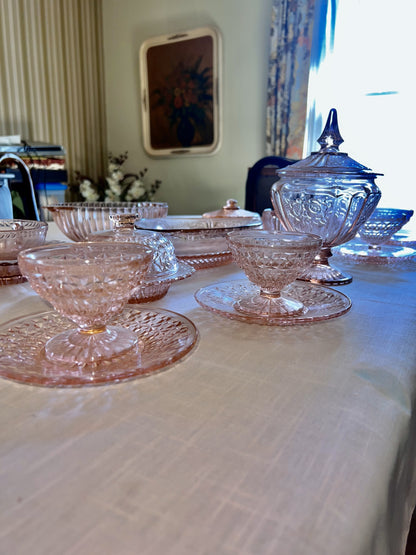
17,235
272,260
88,283
77,220
372,243
382,225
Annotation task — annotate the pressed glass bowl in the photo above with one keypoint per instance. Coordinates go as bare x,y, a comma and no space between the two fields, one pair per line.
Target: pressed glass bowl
16,235
77,220
89,283
382,225
196,236
272,260
164,268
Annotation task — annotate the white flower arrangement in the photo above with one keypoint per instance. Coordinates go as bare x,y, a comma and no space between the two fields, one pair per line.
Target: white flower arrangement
117,186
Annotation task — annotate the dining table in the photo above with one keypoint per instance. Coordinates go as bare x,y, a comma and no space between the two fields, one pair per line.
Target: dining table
282,440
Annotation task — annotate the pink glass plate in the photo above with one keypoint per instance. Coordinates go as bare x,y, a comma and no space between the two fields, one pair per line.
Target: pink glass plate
356,251
320,303
165,338
204,261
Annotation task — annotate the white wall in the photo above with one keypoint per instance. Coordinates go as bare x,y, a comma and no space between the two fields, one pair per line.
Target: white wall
191,185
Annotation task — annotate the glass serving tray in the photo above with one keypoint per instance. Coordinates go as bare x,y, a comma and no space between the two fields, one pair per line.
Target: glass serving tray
165,338
320,303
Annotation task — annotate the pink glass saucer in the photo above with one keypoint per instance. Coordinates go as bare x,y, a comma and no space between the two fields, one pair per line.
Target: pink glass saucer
320,303
165,337
356,251
211,260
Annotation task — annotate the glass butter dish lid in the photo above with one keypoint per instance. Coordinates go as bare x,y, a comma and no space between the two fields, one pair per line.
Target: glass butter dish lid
164,269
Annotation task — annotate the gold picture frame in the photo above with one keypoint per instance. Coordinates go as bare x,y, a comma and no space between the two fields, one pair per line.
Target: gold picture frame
180,93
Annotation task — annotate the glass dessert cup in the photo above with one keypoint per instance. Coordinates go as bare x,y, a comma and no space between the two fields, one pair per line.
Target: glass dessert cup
88,283
272,260
328,194
164,268
17,235
77,220
372,243
382,225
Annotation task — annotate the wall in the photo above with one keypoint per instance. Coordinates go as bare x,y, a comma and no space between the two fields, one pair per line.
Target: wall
191,185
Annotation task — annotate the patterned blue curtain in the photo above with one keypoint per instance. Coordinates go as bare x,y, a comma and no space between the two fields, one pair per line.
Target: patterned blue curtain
289,63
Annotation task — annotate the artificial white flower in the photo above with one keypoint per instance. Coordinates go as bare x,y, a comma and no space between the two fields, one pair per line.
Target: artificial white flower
114,185
87,191
136,190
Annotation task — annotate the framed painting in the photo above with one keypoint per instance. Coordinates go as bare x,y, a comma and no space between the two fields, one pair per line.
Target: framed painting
180,93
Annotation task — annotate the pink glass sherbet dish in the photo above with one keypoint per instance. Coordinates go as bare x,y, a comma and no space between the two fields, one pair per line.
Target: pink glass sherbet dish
272,260
88,283
372,241
77,220
17,235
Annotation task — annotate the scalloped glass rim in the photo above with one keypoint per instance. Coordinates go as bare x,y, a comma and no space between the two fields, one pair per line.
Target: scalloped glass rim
320,303
166,338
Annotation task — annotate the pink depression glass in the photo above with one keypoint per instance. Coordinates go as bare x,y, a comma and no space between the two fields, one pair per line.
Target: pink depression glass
89,283
272,260
15,236
77,220
382,225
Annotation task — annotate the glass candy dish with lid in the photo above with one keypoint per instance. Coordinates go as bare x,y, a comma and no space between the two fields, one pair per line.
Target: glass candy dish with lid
165,267
327,194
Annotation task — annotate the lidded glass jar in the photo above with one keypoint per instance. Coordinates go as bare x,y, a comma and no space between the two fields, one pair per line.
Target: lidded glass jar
164,269
328,194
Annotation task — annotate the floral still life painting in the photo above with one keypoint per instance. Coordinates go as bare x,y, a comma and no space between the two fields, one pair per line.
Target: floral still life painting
181,101
117,186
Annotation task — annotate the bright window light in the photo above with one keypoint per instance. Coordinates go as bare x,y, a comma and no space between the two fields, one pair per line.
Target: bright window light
369,77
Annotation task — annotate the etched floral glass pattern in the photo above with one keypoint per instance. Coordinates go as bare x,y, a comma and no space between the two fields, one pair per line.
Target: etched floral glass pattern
272,260
89,283
77,220
17,235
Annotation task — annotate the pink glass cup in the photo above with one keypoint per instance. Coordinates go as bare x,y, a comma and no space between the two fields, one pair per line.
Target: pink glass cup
272,260
89,283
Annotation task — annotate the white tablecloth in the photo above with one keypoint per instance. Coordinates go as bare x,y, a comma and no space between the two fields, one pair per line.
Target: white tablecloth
264,440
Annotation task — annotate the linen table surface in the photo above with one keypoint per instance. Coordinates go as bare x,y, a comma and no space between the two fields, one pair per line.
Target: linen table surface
263,440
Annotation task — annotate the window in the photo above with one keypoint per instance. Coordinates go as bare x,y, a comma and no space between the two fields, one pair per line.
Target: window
369,77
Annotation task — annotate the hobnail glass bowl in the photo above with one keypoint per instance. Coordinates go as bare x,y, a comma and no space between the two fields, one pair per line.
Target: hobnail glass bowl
77,220
382,225
89,283
164,268
272,260
16,235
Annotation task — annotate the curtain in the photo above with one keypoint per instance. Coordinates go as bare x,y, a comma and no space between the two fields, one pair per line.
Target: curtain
289,63
51,77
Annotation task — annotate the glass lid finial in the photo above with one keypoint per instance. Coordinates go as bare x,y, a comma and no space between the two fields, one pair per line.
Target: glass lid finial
331,137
